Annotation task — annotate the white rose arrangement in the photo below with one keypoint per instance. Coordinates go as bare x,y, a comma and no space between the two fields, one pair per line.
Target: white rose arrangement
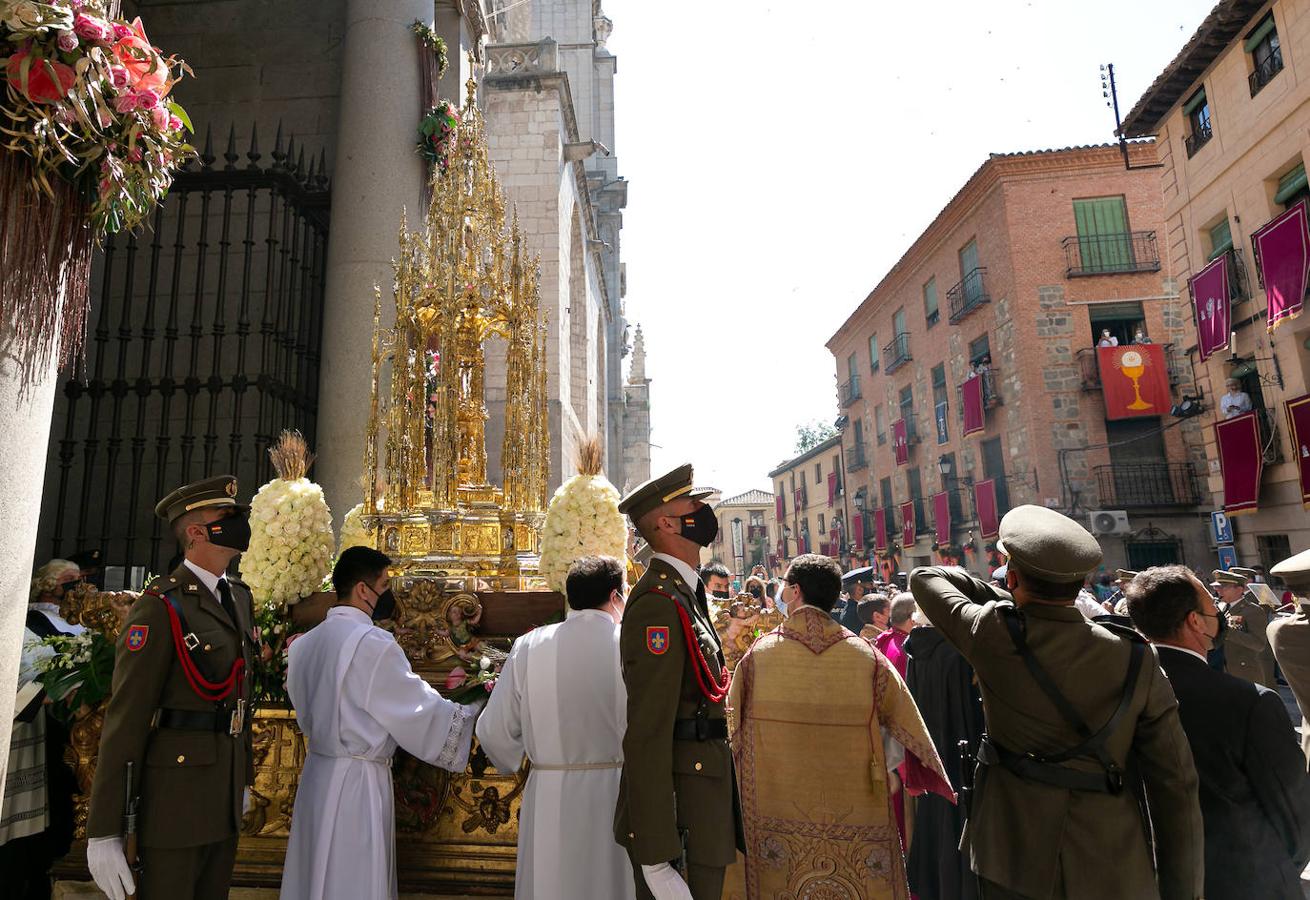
583,519
353,532
291,538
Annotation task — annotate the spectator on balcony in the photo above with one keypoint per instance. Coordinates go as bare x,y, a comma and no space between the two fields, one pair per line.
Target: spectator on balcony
1107,339
1139,337
1236,401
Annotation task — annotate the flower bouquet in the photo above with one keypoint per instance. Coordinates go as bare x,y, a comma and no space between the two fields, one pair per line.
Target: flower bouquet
583,519
76,670
436,134
354,533
463,687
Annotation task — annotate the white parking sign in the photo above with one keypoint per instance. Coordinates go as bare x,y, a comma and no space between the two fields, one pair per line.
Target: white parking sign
1221,527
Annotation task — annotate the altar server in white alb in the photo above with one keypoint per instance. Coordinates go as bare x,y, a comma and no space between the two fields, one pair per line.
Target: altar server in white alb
560,701
356,699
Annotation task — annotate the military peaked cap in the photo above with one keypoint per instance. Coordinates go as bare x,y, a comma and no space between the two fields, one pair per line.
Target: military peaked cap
1295,571
653,494
1124,574
1047,544
1248,574
1228,576
221,490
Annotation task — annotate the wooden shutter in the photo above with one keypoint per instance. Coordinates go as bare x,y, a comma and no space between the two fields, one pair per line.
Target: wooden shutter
1103,239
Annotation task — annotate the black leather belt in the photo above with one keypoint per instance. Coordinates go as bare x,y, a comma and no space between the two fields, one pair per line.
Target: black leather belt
222,720
1030,768
700,729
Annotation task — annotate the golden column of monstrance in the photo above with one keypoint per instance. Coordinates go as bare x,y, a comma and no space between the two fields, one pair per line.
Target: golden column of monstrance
463,280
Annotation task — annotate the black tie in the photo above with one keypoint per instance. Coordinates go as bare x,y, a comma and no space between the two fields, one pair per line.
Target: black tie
225,598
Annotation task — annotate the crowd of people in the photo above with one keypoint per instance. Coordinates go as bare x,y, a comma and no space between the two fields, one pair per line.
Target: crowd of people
1045,732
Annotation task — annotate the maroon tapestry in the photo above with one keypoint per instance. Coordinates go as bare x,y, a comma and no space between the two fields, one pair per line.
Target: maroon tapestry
1241,461
973,406
941,511
901,442
1210,303
1282,253
780,507
908,527
984,500
832,489
880,530
857,531
1298,420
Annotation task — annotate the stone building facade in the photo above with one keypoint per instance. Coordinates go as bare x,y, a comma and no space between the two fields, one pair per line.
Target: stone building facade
748,532
1232,123
810,503
291,96
1033,257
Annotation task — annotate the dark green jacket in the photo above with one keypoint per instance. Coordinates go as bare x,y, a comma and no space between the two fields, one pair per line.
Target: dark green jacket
671,784
190,782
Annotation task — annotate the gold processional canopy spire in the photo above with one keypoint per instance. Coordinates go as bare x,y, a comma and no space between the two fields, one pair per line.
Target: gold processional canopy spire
464,280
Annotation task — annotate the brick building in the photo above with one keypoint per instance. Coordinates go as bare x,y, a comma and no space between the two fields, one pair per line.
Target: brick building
1233,130
810,504
1038,253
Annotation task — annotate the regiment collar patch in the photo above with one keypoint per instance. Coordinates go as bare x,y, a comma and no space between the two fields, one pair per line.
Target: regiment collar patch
136,637
657,639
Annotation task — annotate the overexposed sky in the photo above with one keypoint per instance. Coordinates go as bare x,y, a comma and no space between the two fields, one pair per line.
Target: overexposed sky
782,157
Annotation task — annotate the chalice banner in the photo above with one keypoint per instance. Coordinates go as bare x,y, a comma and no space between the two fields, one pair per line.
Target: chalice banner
984,498
1241,461
941,511
908,527
1298,420
880,529
1210,302
1135,380
1282,253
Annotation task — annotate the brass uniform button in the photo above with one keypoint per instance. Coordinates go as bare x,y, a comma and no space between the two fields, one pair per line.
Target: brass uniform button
181,759
208,647
698,767
631,836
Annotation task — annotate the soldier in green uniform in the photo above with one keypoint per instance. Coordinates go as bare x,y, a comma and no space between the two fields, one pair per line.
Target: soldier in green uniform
179,714
678,814
1246,647
1077,713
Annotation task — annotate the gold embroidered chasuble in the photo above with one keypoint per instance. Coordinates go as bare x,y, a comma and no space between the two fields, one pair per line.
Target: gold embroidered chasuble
808,707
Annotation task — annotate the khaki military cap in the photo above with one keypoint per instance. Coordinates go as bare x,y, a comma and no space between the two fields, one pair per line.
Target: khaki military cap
1295,570
1048,544
221,490
1228,576
1124,574
653,494
1248,574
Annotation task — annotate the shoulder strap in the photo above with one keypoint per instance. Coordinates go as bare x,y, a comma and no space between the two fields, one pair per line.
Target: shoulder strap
1090,743
39,625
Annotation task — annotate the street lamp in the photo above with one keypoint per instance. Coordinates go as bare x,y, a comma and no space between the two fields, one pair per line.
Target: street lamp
944,465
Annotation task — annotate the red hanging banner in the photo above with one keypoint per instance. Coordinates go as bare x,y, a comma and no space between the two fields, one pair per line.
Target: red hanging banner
1298,420
1210,303
941,511
984,500
908,526
832,489
799,500
972,389
1282,254
1135,380
901,442
880,529
802,544
1241,460
834,540
782,548
780,507
857,532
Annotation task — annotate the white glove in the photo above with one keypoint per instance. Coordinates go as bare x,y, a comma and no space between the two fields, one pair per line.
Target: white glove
245,801
108,865
665,883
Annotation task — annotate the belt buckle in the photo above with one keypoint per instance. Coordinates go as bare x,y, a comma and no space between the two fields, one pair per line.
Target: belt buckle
237,722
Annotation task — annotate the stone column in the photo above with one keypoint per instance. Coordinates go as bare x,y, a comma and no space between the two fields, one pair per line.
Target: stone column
377,175
23,443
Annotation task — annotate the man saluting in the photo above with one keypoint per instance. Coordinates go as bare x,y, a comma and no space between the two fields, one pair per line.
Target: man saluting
678,815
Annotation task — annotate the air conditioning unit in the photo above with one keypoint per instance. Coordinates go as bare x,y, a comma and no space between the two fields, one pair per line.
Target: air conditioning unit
1109,521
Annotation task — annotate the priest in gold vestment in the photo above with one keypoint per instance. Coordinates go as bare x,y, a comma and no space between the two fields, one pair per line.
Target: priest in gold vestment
820,722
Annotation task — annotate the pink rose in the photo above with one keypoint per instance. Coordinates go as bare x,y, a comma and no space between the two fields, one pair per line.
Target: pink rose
145,66
134,155
118,77
67,41
92,28
125,103
147,99
159,116
121,31
41,87
456,677
174,123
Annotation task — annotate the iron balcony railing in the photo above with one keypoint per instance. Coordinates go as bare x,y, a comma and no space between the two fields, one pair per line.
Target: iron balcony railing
849,391
1105,254
1089,367
896,353
1127,485
857,458
1198,139
1265,70
969,294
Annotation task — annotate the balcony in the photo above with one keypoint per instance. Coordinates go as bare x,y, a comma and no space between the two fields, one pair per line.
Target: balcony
969,294
991,392
896,353
756,533
911,431
1108,254
1199,137
1124,486
1265,71
1089,367
849,391
857,457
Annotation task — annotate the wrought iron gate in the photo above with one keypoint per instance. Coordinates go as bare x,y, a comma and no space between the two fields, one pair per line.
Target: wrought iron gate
204,344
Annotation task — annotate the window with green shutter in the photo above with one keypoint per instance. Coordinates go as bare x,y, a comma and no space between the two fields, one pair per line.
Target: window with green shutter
931,311
1292,187
873,352
1221,238
1266,53
1104,243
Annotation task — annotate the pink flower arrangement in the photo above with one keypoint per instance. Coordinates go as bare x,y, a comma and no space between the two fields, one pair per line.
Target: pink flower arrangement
67,41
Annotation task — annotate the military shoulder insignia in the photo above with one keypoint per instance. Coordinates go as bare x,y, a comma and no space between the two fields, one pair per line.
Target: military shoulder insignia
657,639
136,637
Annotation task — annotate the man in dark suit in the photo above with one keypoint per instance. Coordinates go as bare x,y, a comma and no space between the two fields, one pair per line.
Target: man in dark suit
1255,795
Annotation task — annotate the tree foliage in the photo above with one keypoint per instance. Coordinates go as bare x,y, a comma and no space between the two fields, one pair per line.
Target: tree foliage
812,435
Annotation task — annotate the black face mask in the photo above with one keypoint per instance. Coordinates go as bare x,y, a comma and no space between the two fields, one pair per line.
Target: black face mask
1222,632
385,607
232,532
700,527
756,591
722,595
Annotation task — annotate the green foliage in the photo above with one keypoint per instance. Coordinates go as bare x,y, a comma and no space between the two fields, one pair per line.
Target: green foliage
812,435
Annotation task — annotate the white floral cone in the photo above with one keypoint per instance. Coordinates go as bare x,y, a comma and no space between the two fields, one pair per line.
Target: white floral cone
583,519
353,532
